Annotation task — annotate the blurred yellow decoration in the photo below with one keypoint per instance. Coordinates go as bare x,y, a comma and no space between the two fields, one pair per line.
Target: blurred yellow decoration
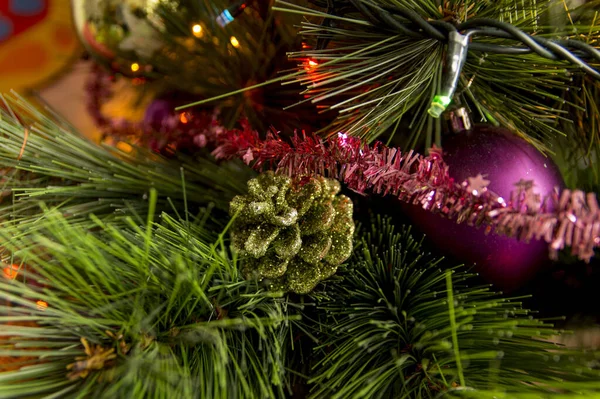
197,30
41,305
130,103
37,42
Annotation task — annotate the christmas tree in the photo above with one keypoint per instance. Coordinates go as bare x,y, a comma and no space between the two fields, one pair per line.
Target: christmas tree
252,225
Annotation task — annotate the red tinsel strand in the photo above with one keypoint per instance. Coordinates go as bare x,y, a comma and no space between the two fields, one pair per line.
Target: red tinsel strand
567,219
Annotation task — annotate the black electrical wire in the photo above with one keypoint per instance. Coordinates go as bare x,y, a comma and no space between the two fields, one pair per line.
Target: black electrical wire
566,55
422,24
323,42
581,47
498,49
385,19
410,23
541,46
508,28
375,20
586,48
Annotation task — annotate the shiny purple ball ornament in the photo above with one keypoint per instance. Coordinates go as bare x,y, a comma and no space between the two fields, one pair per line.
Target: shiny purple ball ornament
504,159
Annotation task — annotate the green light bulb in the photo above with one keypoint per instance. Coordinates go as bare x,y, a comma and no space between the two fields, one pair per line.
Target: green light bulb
439,105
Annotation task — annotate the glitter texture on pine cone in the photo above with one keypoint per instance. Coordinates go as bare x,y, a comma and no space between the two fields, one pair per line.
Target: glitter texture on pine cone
292,232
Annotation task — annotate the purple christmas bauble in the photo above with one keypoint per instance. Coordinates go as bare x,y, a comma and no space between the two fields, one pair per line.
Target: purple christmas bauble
161,115
504,159
158,112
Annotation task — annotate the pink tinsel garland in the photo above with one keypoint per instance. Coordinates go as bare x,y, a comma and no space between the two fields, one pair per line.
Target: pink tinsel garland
562,219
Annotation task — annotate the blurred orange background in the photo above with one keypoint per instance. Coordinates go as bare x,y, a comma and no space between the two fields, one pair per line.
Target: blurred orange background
40,57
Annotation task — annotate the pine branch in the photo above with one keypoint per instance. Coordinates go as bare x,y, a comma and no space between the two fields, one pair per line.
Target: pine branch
183,323
46,160
385,332
163,312
377,78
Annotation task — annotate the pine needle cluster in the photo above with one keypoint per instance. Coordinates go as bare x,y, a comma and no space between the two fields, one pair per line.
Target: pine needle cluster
44,159
398,326
150,311
220,59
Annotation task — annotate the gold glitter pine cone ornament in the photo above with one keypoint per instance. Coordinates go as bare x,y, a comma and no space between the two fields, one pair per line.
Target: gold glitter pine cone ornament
293,233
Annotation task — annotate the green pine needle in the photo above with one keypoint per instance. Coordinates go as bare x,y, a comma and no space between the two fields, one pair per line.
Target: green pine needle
452,316
396,326
46,160
172,306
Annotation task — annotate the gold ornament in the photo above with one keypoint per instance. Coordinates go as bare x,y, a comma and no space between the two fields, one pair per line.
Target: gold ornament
292,232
